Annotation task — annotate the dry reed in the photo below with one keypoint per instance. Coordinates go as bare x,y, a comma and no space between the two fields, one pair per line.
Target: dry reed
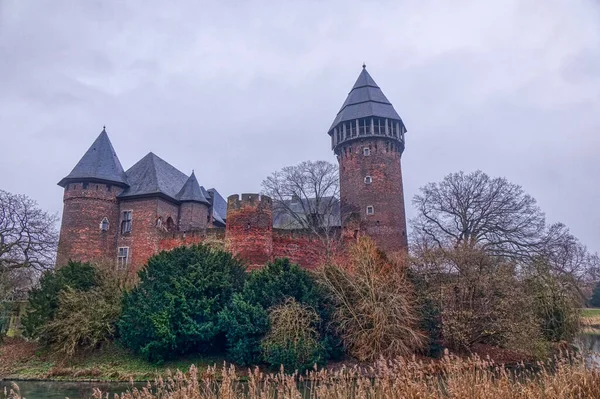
452,377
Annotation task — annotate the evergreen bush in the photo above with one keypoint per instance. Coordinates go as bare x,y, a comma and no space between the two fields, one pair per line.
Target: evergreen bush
174,308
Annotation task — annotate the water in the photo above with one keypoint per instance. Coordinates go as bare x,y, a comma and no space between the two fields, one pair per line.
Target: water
62,389
588,343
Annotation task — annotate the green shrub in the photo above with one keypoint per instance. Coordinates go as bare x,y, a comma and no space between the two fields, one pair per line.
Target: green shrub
245,321
43,301
595,299
85,319
293,340
174,308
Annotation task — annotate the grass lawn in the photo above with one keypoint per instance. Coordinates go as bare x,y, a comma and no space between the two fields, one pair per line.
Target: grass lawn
591,312
24,360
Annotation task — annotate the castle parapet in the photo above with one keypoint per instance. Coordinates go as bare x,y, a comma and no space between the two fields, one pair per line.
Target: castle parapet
249,228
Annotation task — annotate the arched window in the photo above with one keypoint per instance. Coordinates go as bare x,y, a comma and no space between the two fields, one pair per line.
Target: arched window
170,224
104,224
159,222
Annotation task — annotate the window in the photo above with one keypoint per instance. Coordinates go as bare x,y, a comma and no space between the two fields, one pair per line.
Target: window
366,151
370,210
126,222
170,224
159,222
85,186
368,180
123,257
104,224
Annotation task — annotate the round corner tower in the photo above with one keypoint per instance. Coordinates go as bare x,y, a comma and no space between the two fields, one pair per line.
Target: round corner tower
90,218
367,137
249,228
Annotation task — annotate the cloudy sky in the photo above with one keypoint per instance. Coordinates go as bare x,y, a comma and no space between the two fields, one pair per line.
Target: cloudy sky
238,89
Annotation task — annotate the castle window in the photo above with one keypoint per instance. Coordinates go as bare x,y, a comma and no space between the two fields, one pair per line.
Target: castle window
368,179
104,224
159,222
370,210
366,151
85,186
170,224
123,257
126,222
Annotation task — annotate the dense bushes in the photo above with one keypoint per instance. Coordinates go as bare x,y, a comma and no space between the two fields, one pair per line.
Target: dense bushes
246,320
44,301
375,313
174,308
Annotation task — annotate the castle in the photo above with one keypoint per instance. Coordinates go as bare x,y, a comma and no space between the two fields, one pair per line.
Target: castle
127,216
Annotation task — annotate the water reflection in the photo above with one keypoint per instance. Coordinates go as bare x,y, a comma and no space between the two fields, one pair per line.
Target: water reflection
589,344
62,389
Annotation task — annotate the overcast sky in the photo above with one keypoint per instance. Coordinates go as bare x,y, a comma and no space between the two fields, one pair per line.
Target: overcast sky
239,89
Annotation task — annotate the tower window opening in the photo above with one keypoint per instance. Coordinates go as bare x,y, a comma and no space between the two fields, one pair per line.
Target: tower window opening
126,222
159,222
366,151
85,186
370,210
104,224
122,258
170,224
368,180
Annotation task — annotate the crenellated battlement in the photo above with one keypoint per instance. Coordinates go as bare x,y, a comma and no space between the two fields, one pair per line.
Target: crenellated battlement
249,199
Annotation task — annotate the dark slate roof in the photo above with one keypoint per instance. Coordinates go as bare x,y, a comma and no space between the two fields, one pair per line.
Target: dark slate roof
100,162
219,206
365,100
283,219
191,191
151,175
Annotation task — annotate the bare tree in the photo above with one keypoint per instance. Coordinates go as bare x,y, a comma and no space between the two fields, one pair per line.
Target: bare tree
28,237
476,210
306,196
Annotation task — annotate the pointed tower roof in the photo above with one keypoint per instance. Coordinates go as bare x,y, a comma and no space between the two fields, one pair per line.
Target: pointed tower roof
99,163
191,191
365,100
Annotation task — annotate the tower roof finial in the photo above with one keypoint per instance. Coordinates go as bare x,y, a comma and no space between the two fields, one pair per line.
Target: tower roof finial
104,128
364,65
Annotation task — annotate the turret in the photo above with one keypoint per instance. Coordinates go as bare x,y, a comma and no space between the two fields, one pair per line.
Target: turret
249,228
193,211
90,218
367,137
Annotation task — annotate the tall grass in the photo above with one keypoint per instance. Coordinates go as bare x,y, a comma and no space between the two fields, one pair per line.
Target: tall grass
452,377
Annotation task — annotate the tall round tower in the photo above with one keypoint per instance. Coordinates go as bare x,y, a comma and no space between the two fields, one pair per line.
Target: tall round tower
367,137
90,219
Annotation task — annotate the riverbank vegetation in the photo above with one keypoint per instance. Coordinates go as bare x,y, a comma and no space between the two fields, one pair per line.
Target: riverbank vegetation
451,377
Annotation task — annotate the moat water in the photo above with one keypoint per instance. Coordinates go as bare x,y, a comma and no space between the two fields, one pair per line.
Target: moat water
589,345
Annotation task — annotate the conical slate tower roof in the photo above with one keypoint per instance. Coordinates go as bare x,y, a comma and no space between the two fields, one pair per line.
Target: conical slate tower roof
99,163
191,191
365,100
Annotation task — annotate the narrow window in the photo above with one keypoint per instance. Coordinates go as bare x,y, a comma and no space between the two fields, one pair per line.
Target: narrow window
366,151
85,186
104,224
123,257
370,210
126,222
159,222
368,180
170,224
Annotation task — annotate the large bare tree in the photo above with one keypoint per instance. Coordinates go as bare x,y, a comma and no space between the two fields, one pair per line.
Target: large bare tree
28,238
306,196
474,209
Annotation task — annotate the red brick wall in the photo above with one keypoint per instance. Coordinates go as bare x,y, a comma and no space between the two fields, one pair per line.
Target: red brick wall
81,238
299,246
169,241
143,240
387,226
249,228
